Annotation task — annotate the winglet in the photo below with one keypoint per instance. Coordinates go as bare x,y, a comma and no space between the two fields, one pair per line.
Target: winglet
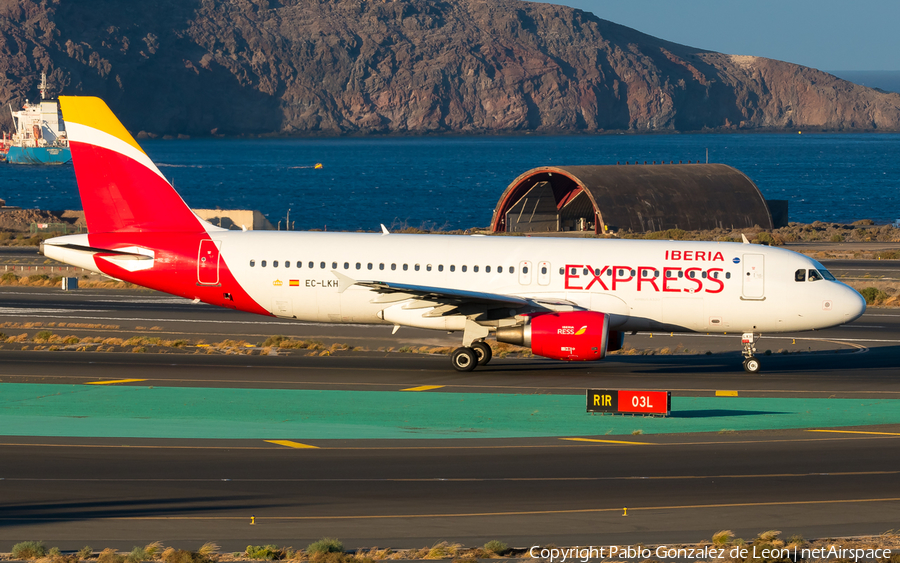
344,282
384,230
744,238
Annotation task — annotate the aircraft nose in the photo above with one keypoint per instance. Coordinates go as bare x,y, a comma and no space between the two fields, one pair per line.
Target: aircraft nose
851,304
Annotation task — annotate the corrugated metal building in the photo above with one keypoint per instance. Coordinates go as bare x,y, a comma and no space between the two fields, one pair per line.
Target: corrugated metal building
639,198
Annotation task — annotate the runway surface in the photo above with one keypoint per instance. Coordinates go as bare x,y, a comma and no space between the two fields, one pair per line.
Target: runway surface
433,468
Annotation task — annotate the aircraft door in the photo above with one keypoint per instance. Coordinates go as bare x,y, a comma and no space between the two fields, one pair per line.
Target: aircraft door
544,273
525,272
754,276
208,262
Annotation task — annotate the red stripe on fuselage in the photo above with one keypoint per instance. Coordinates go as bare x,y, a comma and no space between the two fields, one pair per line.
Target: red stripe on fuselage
175,268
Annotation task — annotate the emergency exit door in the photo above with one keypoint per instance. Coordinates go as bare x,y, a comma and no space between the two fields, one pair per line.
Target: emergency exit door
208,262
754,276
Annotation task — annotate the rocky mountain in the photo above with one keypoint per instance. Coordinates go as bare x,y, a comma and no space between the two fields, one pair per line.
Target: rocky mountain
306,67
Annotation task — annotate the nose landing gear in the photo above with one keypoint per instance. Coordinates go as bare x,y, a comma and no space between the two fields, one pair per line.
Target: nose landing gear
748,340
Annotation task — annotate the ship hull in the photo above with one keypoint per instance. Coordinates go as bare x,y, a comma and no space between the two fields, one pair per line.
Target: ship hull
38,155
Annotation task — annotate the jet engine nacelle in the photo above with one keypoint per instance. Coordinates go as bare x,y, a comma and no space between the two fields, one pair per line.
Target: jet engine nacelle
574,335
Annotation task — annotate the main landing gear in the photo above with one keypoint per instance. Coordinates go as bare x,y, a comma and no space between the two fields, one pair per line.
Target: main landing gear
467,358
751,364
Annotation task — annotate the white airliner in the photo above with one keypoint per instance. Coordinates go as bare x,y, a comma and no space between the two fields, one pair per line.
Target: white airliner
565,299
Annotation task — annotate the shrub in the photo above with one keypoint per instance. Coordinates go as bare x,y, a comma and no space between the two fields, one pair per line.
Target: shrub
722,537
265,553
273,341
29,550
872,294
443,550
208,549
85,552
765,238
146,553
495,546
9,277
43,336
110,555
38,277
837,237
325,545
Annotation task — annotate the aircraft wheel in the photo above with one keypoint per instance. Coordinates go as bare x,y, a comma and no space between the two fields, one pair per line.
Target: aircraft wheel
483,352
464,359
751,365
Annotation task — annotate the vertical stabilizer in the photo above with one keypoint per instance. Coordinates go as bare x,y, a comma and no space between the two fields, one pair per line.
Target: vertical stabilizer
120,187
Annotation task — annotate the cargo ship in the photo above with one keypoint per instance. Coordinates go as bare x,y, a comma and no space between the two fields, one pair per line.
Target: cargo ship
40,136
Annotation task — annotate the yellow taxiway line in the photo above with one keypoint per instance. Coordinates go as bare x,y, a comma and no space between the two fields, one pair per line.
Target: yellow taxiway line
113,381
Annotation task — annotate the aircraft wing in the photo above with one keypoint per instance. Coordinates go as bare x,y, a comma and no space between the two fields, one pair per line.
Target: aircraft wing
445,296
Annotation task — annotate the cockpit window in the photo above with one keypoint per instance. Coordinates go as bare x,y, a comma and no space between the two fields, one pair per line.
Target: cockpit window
814,275
800,275
826,274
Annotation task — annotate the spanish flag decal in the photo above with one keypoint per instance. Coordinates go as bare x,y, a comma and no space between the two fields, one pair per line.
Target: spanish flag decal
581,330
295,283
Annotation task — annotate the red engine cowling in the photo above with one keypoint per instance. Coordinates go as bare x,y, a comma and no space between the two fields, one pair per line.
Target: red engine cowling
575,335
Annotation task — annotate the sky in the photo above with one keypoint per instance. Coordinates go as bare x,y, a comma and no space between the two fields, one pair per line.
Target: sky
823,34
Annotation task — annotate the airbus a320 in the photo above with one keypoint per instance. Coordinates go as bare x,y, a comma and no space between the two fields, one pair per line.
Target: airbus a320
564,299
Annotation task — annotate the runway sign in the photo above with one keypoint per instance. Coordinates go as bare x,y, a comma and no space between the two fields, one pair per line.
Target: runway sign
619,401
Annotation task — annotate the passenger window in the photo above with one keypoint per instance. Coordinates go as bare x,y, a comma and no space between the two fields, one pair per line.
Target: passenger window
252,263
346,265
524,269
584,272
299,264
655,273
609,272
381,266
571,271
322,265
405,267
703,275
814,275
334,265
263,263
452,268
440,267
544,270
562,271
691,274
311,265
370,266
274,263
630,273
499,269
359,266
596,271
512,270
474,268
417,267
727,275
800,275
428,268
680,274
287,264
393,266
487,269
463,268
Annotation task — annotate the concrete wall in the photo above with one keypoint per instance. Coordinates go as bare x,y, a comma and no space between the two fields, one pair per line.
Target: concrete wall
235,218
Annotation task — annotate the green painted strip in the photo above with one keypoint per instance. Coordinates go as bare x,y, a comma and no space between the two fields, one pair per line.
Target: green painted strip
273,414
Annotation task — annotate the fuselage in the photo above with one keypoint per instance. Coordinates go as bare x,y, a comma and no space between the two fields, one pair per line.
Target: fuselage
643,285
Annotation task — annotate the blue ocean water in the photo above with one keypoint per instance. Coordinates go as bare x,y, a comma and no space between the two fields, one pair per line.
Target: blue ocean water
455,182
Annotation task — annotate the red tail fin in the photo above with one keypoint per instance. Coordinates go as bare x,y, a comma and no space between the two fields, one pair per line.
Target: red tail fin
120,187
